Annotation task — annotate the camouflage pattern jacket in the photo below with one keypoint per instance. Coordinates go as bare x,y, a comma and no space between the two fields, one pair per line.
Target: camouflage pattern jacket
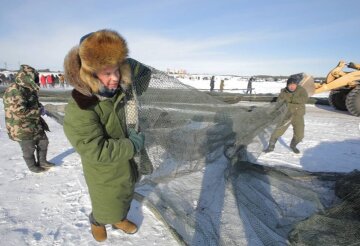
22,107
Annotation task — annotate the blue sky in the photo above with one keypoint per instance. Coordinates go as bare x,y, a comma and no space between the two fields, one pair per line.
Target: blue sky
243,37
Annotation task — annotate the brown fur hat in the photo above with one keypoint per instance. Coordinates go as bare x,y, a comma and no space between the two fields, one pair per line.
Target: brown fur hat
96,51
101,49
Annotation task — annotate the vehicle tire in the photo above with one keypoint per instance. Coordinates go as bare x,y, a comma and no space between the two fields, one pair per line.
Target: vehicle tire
337,99
353,101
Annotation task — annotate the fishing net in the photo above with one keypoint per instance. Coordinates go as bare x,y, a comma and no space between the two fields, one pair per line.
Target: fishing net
205,186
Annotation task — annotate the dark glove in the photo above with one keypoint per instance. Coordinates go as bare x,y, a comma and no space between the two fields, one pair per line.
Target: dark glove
43,111
138,139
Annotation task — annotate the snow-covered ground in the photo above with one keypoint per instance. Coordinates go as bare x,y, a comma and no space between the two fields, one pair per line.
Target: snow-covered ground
52,208
239,85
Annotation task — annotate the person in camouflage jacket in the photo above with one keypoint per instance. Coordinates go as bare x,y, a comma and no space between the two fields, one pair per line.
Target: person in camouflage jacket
23,119
295,96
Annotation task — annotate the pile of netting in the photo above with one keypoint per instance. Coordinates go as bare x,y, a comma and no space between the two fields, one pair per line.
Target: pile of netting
207,189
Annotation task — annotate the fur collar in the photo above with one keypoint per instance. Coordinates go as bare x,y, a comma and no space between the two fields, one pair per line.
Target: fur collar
84,101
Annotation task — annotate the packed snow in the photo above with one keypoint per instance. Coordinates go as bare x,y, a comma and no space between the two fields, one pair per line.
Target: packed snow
52,208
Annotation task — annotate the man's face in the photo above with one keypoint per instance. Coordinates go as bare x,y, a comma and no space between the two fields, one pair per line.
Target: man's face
109,76
292,87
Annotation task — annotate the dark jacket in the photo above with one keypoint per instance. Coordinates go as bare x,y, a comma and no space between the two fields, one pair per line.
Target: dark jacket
295,100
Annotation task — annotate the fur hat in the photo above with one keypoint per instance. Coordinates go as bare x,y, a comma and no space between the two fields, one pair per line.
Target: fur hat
102,48
96,51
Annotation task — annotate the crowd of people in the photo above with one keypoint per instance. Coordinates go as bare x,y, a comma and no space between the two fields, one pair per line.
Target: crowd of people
51,80
249,89
7,79
46,80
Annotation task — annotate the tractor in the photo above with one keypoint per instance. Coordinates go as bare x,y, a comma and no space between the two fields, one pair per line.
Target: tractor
344,87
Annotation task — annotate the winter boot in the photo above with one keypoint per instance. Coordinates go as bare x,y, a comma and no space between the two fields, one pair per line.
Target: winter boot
126,226
30,162
271,146
28,148
41,152
97,230
293,147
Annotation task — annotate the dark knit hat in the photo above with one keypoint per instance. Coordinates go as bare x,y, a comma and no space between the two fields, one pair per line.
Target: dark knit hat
292,80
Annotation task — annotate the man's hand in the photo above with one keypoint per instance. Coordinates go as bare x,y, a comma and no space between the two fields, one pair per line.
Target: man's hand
138,139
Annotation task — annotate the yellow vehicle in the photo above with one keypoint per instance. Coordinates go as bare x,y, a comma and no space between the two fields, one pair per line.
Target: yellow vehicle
344,87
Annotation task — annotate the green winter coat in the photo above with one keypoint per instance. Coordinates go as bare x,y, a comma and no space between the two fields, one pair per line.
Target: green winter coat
96,128
98,134
295,100
22,107
294,116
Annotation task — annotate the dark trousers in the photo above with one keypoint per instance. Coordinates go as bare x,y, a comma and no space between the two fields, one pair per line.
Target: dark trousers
29,147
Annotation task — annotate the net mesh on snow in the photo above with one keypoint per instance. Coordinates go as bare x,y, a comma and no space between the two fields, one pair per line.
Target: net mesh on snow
206,187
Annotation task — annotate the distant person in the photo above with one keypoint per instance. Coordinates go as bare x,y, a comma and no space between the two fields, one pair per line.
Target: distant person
61,80
23,119
212,83
53,80
43,81
56,80
295,97
11,78
222,85
2,79
49,80
95,124
249,86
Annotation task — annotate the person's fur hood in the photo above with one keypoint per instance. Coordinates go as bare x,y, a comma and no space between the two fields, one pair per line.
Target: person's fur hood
96,51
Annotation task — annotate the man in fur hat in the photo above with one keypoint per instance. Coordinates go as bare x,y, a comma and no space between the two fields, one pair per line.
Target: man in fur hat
295,97
95,124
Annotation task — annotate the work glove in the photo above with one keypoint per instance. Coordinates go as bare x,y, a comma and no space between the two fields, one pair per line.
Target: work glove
138,139
42,111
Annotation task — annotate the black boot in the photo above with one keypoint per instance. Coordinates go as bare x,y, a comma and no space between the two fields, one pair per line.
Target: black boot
30,162
41,152
28,148
271,146
293,147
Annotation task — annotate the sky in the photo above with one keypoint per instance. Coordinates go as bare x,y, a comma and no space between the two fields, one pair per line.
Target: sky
239,37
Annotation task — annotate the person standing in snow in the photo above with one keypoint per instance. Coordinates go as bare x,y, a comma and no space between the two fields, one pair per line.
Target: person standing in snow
95,124
23,119
249,86
212,83
295,96
222,84
61,80
43,81
49,80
